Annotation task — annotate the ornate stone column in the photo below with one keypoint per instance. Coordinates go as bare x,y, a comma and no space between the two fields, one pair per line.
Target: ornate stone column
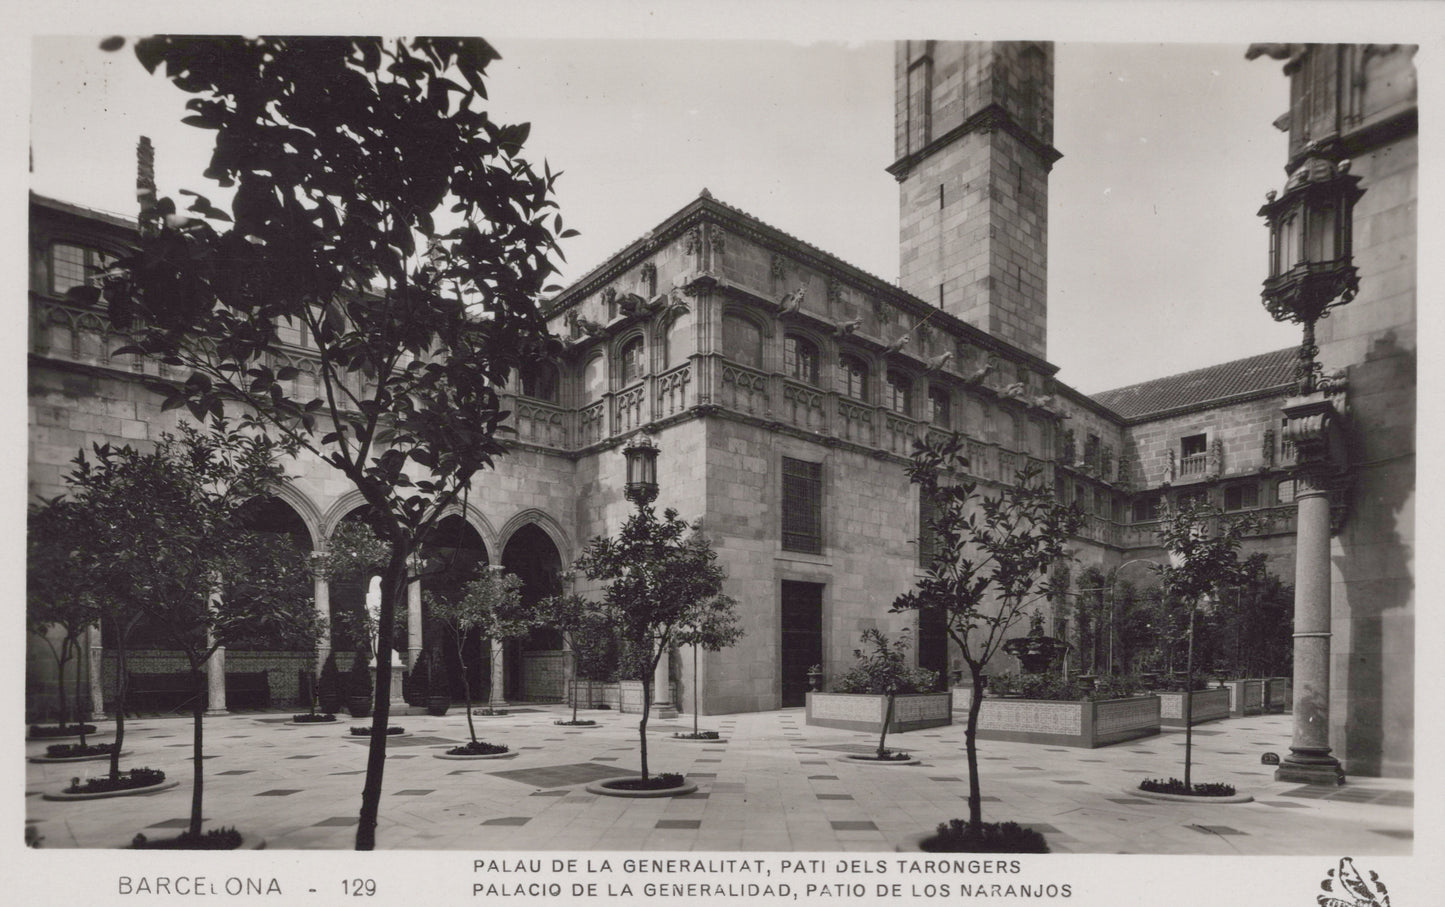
662,704
413,623
96,671
498,697
216,679
1314,427
321,593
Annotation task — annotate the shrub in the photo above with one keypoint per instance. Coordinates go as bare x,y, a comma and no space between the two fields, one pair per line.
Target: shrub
1117,686
366,731
700,735
313,717
67,730
478,748
881,667
1175,786
127,780
438,685
328,688
358,679
215,839
414,682
661,781
958,836
72,750
1174,683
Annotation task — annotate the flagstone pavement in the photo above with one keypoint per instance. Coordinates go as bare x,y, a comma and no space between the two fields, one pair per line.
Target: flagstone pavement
776,784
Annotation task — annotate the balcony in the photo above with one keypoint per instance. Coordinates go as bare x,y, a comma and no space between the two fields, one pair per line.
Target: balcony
1193,466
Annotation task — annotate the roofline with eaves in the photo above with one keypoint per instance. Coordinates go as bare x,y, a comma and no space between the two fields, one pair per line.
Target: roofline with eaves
1276,390
708,209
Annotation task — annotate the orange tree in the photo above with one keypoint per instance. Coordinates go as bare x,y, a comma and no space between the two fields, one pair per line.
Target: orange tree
379,214
60,606
664,588
991,557
490,604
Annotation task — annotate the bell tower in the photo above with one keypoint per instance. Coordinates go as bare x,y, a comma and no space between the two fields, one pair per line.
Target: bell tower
973,137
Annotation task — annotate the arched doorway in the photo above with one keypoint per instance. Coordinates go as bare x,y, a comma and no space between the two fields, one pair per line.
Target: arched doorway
452,555
535,670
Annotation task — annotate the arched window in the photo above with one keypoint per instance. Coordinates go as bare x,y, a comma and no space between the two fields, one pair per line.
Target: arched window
853,376
663,347
76,266
974,424
1016,433
594,380
632,361
900,392
938,407
539,381
1284,491
800,359
742,340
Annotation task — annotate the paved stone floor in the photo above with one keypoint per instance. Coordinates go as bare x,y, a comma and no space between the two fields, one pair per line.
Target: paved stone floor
776,784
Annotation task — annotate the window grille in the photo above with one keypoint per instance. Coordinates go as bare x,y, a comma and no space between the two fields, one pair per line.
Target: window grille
802,506
800,359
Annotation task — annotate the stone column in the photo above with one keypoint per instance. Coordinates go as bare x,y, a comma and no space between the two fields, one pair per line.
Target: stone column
216,679
1313,425
413,623
662,705
96,672
321,591
498,698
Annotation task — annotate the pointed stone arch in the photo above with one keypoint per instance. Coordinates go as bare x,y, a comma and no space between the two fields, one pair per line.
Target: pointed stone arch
305,508
543,521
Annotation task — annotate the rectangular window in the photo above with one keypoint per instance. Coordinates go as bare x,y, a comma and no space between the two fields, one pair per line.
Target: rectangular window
1192,445
1241,497
1146,509
926,515
802,506
76,266
938,407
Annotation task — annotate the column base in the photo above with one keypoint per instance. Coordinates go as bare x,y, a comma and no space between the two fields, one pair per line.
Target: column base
211,713
664,710
1326,771
495,704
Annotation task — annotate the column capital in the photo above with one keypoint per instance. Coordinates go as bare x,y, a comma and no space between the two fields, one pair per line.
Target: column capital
1316,427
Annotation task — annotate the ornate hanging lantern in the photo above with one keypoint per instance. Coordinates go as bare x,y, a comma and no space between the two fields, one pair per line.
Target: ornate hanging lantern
1311,265
641,454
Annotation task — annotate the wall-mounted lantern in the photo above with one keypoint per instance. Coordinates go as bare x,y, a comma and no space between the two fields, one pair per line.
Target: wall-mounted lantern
1311,265
641,454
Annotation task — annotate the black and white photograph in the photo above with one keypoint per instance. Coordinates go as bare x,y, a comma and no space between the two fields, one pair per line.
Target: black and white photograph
609,454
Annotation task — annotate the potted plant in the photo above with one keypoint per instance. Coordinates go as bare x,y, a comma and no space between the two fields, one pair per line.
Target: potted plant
882,675
328,688
1049,709
815,678
358,686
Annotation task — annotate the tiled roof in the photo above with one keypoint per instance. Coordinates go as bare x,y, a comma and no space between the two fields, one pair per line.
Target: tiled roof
1217,382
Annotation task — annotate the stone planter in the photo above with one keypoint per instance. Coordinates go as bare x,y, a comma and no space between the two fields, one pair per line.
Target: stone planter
1278,694
604,789
110,794
1060,722
1208,705
859,759
1246,697
865,711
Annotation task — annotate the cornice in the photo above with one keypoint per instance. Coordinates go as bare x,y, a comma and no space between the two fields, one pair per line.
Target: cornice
987,119
1278,390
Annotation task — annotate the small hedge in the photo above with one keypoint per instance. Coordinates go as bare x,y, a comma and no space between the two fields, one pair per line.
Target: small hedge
478,748
1175,786
215,839
75,750
664,781
489,713
700,735
366,731
580,722
1175,683
67,730
1049,686
958,836
312,717
127,780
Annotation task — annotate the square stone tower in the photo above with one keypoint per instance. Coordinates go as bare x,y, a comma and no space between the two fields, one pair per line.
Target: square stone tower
973,141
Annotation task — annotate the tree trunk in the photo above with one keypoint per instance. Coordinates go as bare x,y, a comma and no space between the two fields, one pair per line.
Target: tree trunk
466,685
887,720
1189,703
572,670
970,740
61,658
198,710
642,725
393,588
120,692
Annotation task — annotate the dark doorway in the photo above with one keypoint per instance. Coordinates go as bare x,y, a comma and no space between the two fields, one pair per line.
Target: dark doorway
532,556
933,643
802,638
453,555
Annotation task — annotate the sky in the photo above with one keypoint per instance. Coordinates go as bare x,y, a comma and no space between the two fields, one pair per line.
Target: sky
1155,251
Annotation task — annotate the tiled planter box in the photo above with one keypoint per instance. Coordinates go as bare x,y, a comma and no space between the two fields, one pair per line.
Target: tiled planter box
1278,694
1209,705
865,711
624,696
1246,697
1068,722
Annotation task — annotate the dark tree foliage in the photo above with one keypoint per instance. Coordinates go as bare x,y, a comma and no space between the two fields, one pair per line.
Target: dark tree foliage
59,593
381,212
586,634
992,557
491,606
663,588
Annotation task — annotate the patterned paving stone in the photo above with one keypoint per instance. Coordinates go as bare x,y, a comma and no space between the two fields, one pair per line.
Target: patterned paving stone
236,771
943,778
277,793
358,772
822,777
337,822
1216,830
509,820
834,796
702,774
1401,833
1284,804
1131,801
547,793
1026,768
413,793
725,787
1058,781
561,775
301,757
678,823
852,825
174,823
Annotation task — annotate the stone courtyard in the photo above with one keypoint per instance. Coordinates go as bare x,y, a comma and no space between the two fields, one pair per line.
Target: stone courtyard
773,784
